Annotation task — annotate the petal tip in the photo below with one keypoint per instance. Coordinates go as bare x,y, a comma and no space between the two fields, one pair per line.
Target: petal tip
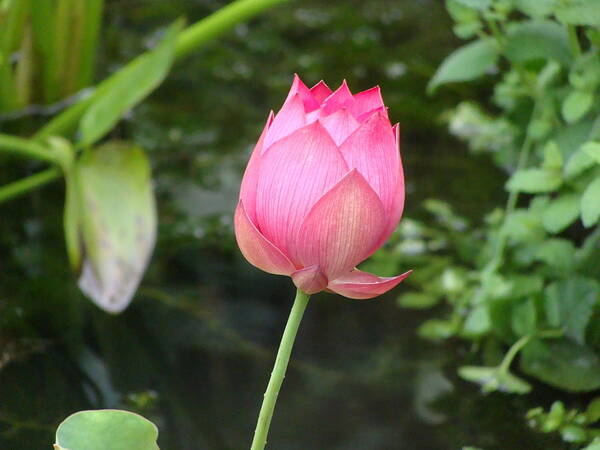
364,285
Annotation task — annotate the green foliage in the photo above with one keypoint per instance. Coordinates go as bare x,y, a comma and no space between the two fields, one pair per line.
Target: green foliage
536,39
579,12
575,426
590,203
112,207
569,304
466,63
107,429
47,49
529,271
491,379
128,88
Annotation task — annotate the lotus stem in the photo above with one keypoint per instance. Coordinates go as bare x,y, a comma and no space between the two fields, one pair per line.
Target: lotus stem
281,362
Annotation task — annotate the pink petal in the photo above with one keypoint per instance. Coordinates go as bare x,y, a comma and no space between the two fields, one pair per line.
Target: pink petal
310,279
250,179
294,173
320,91
361,285
341,98
367,101
290,117
341,228
365,116
395,212
256,248
340,125
372,149
306,94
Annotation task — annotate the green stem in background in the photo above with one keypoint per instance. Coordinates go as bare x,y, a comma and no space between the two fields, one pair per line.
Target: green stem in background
512,352
522,342
574,41
190,39
513,196
30,183
496,261
219,22
281,362
25,147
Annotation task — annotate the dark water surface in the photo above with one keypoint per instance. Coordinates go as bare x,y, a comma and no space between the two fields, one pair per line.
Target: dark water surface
194,351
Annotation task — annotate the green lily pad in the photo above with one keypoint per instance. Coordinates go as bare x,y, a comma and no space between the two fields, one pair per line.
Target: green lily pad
106,429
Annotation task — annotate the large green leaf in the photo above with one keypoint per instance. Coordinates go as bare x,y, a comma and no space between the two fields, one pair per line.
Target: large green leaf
579,12
590,203
467,63
481,5
117,219
534,39
576,105
561,212
593,150
578,163
535,8
562,363
532,181
106,429
128,88
557,253
569,304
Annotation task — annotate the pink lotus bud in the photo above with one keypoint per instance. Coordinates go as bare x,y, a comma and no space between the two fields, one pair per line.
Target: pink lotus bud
323,190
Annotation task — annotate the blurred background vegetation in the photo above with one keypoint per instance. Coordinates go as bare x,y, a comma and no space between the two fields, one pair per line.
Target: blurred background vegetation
194,349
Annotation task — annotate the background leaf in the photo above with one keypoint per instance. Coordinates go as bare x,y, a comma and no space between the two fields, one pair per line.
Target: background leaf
534,180
590,203
118,217
531,40
561,212
576,105
569,304
467,63
593,150
562,363
535,8
480,5
107,429
579,12
130,87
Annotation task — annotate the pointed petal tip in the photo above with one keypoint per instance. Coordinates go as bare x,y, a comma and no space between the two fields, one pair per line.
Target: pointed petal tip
363,285
320,84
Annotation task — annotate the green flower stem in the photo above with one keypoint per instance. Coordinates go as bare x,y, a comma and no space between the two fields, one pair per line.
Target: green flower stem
190,39
25,147
281,362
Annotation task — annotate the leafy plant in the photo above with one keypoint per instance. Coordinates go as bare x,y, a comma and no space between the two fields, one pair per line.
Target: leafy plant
532,266
108,247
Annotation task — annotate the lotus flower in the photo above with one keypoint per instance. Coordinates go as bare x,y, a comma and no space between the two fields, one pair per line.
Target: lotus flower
323,190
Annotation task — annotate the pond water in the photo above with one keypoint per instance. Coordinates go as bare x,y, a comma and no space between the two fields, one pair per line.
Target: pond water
194,351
